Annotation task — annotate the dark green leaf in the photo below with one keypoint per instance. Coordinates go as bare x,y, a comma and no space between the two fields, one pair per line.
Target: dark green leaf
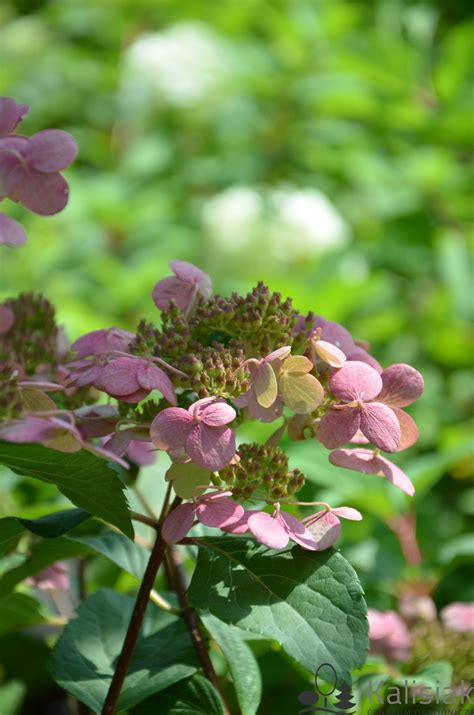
311,603
83,659
125,553
83,478
17,610
10,530
242,663
194,696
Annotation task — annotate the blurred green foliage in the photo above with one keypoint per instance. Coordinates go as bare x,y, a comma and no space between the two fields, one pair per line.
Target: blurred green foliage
322,147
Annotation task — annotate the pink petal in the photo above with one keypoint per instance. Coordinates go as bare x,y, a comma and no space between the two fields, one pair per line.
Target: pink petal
119,442
170,428
409,430
268,530
380,425
27,430
102,341
355,381
278,354
402,385
178,523
211,447
151,377
219,512
119,377
335,334
12,167
218,414
330,354
241,526
172,288
458,616
6,319
51,150
337,427
191,274
396,476
142,453
11,233
11,114
362,355
132,398
297,531
324,529
44,194
347,512
263,414
360,460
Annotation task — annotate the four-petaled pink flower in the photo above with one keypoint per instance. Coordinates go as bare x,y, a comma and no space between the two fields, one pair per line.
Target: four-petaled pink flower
131,379
325,526
275,530
212,509
183,288
356,385
201,430
389,635
369,462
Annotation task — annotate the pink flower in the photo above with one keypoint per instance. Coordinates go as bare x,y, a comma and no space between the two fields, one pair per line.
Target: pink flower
401,386
11,233
356,385
458,616
275,530
369,462
213,509
102,341
388,635
52,578
187,283
131,379
11,114
262,400
6,319
325,527
141,451
30,166
201,430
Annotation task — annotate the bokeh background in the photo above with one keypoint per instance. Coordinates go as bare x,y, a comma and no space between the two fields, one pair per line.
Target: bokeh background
322,147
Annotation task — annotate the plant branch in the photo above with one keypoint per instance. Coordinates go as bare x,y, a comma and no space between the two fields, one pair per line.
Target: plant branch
144,519
192,622
128,647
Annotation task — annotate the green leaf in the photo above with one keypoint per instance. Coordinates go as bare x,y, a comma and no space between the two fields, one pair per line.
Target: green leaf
125,553
311,603
12,695
194,696
83,478
439,673
83,660
17,610
10,530
41,555
242,663
52,525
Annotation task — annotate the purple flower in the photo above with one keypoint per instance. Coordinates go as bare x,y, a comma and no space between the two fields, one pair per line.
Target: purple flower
102,341
11,114
11,233
6,319
325,526
356,385
275,530
183,288
140,451
30,166
213,509
131,379
201,430
369,462
388,635
458,616
52,578
401,386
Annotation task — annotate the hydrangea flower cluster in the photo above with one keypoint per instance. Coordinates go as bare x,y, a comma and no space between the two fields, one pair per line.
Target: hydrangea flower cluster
185,387
29,169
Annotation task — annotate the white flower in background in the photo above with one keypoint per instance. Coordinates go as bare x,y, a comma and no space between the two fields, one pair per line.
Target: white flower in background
305,223
285,223
183,65
233,218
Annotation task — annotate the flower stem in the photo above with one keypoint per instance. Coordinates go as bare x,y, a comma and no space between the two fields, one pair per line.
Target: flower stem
190,617
128,647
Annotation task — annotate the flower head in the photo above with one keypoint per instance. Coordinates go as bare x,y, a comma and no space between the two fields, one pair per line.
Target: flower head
183,288
275,530
368,461
201,430
458,616
212,509
325,526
